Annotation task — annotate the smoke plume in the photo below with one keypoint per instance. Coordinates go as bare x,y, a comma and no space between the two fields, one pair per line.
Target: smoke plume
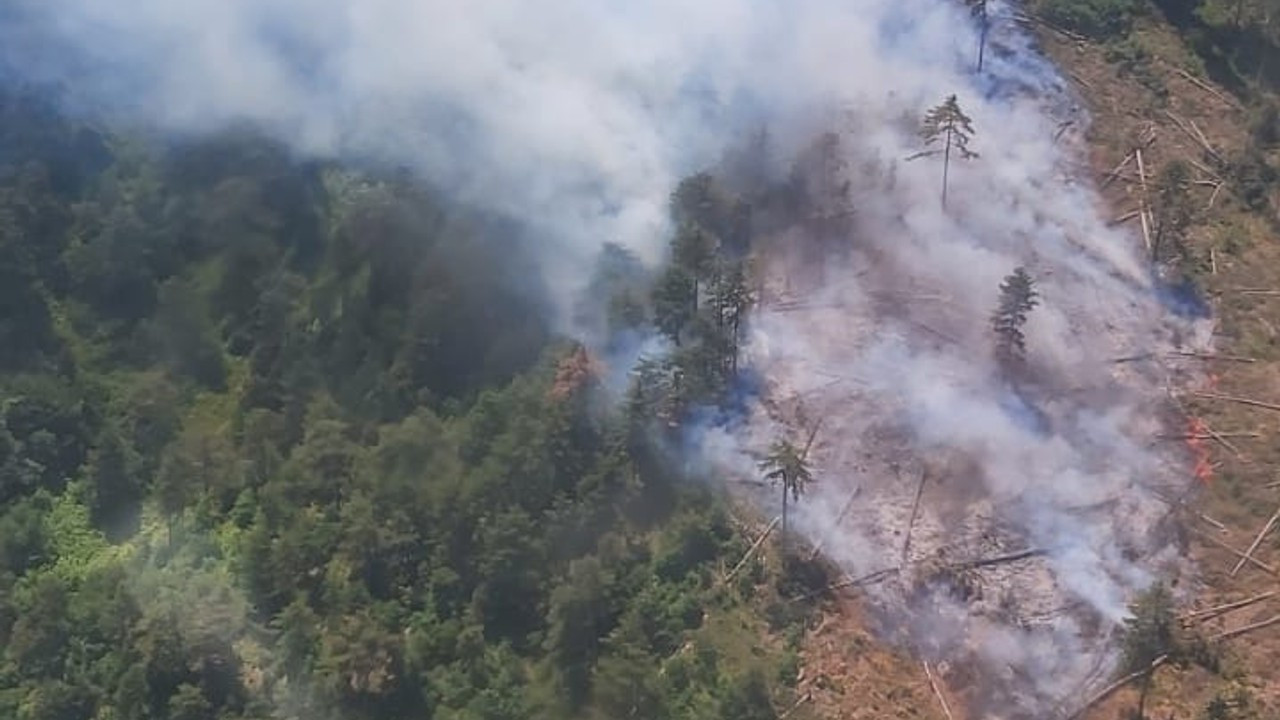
578,118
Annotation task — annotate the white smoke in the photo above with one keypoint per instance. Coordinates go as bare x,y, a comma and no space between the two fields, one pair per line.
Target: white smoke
578,118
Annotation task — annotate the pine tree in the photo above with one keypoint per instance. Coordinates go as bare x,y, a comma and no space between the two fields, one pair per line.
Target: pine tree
1017,298
786,465
947,124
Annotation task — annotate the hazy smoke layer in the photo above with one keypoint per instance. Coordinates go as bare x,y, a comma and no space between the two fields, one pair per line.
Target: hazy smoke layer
579,116
575,115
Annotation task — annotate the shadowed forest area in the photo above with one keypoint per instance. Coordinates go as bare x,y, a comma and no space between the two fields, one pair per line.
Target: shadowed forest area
286,439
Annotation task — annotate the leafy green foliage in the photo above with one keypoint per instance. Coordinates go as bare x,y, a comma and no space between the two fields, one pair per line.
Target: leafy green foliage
1099,19
1017,299
283,440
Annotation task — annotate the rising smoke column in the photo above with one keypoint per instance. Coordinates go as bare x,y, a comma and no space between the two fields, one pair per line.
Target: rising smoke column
578,117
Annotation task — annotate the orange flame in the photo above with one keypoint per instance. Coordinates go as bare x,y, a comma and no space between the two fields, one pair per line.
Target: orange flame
1197,430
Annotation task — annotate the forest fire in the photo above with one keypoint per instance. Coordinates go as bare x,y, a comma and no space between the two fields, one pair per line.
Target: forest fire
1197,441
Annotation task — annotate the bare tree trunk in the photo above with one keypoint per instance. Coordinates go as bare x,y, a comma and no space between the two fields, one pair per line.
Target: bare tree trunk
946,165
982,35
1142,694
784,519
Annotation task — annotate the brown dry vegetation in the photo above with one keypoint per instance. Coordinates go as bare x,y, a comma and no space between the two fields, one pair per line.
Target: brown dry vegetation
1233,248
1243,246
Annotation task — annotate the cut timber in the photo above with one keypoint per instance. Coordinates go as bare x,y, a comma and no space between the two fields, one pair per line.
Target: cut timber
851,582
817,550
1204,140
1211,521
1246,629
1251,291
1203,86
1235,399
1217,436
1143,203
998,559
1212,356
915,508
1115,172
1212,612
1252,560
937,692
1029,18
1133,358
1125,217
1256,541
751,550
1195,135
803,699
1201,167
1207,436
1106,692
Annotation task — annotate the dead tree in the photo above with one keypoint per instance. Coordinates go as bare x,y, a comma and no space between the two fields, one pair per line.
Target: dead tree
947,124
979,10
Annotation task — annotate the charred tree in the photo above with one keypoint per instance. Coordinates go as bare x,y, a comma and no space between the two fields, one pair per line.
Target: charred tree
979,10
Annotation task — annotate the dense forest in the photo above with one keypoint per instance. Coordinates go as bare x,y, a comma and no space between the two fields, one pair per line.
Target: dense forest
284,439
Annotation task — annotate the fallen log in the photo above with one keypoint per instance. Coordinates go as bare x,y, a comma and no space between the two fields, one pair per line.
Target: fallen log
1106,692
1215,611
751,550
1196,136
850,582
1203,86
1207,436
1115,172
998,559
803,699
1125,217
1252,560
1257,541
1213,256
1143,203
1214,356
1212,522
1246,629
1218,436
1267,292
1133,358
937,693
1240,400
915,508
1204,141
